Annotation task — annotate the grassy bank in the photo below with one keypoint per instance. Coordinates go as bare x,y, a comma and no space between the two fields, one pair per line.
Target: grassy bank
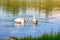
16,4
51,36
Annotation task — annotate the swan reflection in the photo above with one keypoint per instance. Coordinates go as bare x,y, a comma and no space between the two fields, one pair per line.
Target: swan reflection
33,26
19,25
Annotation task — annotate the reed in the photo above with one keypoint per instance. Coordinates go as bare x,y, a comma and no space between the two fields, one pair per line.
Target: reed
45,36
14,6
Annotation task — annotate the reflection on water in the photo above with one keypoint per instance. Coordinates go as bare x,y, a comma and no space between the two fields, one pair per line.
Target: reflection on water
33,26
17,24
9,28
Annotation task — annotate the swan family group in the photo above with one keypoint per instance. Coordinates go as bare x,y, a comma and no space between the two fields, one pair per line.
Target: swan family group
21,20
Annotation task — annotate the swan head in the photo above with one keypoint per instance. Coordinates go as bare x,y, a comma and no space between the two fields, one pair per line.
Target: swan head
22,17
34,17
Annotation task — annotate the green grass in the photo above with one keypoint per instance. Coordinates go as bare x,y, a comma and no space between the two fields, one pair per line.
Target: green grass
45,36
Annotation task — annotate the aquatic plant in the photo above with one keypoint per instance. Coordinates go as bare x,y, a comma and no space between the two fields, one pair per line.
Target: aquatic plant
45,36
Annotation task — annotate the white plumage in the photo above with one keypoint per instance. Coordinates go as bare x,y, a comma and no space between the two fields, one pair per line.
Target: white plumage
34,20
20,21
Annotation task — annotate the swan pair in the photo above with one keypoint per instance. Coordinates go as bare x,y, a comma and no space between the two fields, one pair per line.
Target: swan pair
21,20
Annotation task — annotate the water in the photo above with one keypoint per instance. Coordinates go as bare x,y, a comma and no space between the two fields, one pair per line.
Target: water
8,27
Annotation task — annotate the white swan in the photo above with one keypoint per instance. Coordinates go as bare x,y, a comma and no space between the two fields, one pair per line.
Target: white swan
20,21
35,21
